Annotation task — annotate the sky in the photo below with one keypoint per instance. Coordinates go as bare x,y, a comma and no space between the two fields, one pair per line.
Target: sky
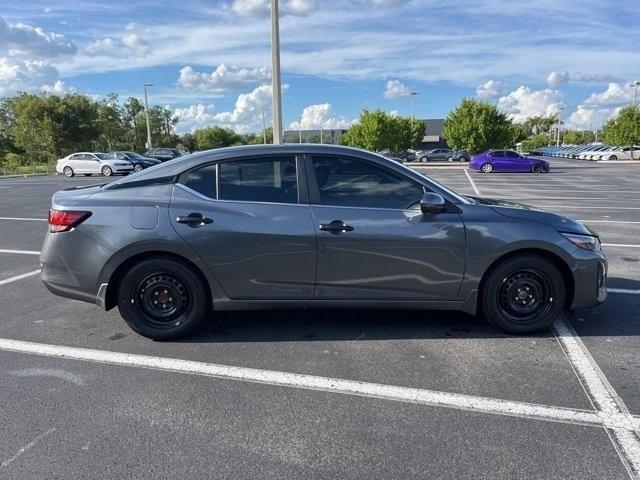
209,61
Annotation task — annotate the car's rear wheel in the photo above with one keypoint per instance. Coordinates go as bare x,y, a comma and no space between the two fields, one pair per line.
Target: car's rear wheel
486,168
68,172
106,171
523,294
424,159
161,298
537,168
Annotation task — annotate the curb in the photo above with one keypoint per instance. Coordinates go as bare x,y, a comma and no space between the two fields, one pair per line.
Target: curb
24,175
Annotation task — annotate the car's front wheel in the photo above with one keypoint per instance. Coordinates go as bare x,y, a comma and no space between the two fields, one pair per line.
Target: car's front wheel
161,298
612,157
523,294
486,168
138,168
424,159
537,168
106,171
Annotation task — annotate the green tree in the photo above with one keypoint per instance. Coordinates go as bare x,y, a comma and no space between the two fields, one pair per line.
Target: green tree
578,137
476,126
378,130
187,142
624,128
112,124
215,137
536,141
539,124
132,109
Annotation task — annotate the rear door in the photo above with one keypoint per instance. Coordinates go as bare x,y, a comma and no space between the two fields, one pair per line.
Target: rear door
373,240
250,222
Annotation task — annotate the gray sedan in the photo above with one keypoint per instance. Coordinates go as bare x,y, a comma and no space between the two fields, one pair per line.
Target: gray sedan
310,226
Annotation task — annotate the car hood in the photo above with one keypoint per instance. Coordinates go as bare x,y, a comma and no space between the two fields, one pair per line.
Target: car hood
527,212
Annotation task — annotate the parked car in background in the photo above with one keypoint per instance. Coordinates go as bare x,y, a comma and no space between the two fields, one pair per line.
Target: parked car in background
88,163
436,155
138,161
402,156
621,153
507,161
459,156
241,227
164,154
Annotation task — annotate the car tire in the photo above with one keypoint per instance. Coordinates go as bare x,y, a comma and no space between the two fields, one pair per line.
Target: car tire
450,159
522,294
68,172
537,168
612,157
162,279
106,171
486,168
138,168
424,159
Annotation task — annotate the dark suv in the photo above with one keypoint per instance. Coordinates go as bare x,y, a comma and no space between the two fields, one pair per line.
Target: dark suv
164,154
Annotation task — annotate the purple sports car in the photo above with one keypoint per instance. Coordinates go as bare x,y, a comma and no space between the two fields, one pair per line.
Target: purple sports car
507,161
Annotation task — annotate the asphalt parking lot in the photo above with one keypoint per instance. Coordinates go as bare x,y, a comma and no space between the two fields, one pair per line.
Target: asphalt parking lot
327,394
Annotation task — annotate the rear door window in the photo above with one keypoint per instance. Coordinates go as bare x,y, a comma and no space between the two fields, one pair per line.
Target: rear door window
271,180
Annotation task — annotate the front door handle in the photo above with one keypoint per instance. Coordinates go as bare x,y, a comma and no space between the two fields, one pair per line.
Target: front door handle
194,219
336,227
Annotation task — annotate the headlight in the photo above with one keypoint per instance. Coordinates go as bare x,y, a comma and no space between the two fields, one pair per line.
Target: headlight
586,242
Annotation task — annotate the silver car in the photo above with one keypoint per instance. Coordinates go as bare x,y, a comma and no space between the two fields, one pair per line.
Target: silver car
88,163
310,226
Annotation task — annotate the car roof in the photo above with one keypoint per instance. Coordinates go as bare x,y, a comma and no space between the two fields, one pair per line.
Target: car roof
180,164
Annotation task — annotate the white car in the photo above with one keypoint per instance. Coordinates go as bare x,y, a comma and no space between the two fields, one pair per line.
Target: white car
621,153
88,163
593,153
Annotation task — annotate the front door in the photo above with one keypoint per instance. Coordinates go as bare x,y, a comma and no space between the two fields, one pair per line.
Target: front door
247,222
373,240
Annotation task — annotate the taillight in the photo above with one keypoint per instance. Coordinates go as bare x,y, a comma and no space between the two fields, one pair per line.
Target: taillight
64,220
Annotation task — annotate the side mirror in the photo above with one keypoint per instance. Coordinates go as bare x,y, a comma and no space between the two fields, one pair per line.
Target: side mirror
432,203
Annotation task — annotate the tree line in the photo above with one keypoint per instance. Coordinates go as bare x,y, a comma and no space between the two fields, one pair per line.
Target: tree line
37,129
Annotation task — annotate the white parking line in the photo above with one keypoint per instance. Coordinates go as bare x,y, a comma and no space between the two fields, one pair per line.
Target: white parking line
19,277
24,219
475,188
610,221
591,207
19,252
602,396
623,290
330,385
620,245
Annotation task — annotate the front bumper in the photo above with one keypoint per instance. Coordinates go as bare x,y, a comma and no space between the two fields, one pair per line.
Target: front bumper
590,278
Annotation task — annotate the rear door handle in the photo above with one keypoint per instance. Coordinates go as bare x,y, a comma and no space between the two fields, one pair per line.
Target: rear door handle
336,227
194,219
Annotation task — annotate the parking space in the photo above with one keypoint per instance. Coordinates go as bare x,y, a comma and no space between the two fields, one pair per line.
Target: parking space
348,394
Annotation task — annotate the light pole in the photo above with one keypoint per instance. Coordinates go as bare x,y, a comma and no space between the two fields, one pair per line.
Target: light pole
635,84
264,126
413,107
146,113
558,129
275,74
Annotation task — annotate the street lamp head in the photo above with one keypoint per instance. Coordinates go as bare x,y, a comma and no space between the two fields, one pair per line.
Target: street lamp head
413,94
148,84
635,84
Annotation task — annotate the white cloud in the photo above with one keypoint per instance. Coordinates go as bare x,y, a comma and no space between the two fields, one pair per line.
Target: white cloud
21,39
555,79
16,75
194,117
57,88
490,90
222,79
263,7
596,109
615,95
315,117
245,117
395,89
523,103
130,44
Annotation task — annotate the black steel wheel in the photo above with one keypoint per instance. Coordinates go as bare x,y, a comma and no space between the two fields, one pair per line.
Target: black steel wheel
523,293
162,298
